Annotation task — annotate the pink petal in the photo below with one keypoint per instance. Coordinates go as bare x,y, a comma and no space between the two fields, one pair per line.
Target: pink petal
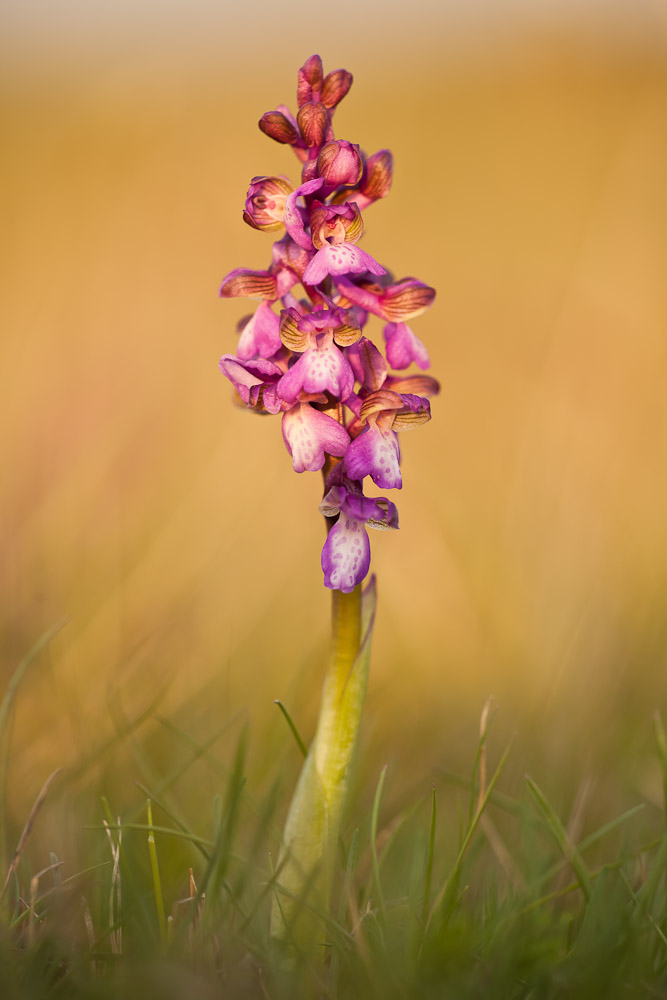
309,434
260,336
319,369
375,453
403,347
346,556
340,258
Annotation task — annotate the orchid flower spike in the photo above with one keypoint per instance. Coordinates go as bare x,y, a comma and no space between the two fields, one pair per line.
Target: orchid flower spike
305,352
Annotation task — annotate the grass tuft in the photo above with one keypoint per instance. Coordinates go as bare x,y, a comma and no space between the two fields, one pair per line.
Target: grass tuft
421,908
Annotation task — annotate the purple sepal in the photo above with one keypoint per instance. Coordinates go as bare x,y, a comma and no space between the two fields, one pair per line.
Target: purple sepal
347,497
287,254
260,335
323,368
375,453
340,258
255,381
295,216
309,434
285,280
346,556
368,365
364,298
396,302
354,402
245,281
414,403
403,347
364,508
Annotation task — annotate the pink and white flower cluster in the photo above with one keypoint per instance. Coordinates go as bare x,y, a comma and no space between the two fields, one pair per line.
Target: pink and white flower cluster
304,352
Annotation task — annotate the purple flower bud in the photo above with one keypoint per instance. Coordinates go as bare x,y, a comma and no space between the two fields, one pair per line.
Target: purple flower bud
339,162
335,87
265,202
375,181
277,126
309,81
312,120
377,176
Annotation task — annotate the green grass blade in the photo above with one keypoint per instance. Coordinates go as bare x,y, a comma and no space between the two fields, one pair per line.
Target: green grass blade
196,841
157,882
498,799
584,845
428,874
641,909
16,678
295,732
225,823
559,834
199,842
6,707
374,855
352,858
447,895
661,741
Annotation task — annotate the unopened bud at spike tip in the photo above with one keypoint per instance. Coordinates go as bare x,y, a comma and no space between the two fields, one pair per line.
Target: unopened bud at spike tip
309,82
312,122
335,87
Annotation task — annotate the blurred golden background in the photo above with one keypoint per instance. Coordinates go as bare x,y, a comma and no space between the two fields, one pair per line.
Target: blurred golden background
166,528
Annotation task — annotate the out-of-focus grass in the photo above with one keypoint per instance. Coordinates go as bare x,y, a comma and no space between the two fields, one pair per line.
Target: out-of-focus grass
167,527
476,888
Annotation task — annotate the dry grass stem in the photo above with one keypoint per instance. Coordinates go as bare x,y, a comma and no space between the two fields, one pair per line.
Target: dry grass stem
23,839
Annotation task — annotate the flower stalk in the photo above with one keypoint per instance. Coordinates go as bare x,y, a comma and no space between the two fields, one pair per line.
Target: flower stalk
314,818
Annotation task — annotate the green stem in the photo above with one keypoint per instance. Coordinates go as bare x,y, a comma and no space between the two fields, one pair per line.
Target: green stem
313,821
